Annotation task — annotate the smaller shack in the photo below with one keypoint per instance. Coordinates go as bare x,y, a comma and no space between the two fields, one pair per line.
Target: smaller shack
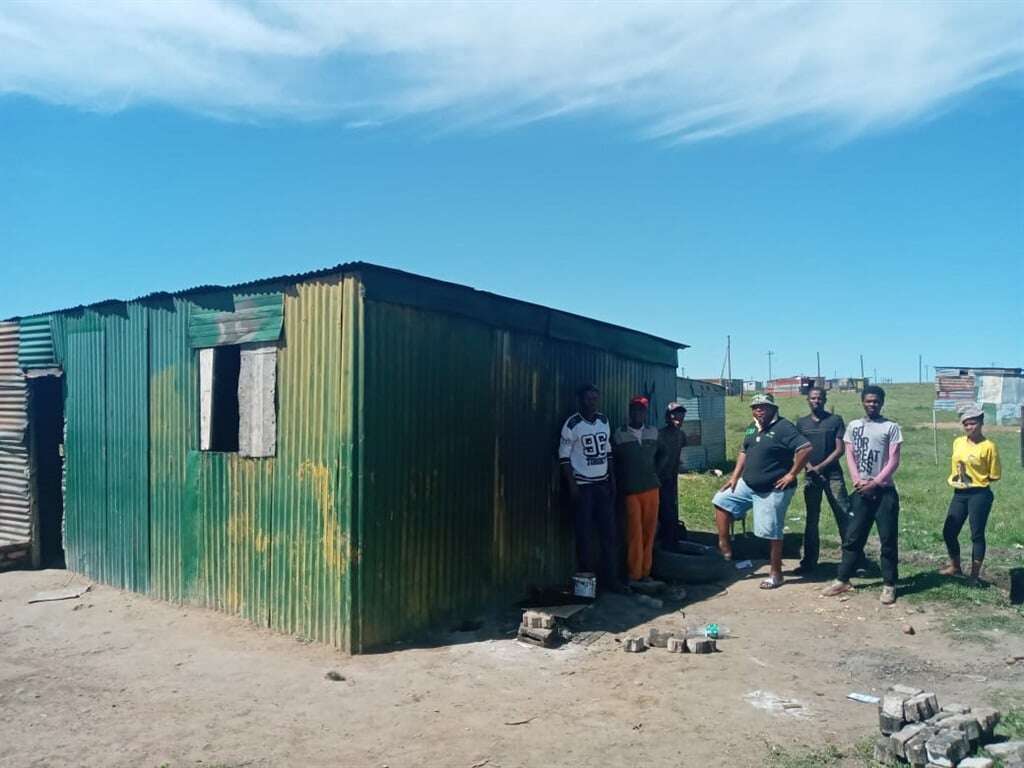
752,385
732,387
1002,388
704,424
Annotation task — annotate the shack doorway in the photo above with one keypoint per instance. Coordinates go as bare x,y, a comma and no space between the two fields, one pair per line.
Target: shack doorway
46,448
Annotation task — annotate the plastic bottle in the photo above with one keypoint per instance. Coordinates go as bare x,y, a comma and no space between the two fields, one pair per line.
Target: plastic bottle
710,631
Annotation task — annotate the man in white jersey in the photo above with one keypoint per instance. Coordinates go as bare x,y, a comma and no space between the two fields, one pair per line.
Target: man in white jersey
585,454
872,456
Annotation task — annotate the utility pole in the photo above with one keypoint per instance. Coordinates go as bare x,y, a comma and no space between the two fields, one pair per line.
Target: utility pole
770,353
819,363
920,377
862,366
728,357
874,376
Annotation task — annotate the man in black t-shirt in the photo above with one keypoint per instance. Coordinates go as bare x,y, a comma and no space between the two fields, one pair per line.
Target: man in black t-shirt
824,474
764,480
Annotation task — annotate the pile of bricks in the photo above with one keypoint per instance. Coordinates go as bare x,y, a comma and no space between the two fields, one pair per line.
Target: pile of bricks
673,642
916,731
539,628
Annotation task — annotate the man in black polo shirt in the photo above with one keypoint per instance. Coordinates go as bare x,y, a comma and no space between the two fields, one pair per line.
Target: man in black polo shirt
764,479
824,474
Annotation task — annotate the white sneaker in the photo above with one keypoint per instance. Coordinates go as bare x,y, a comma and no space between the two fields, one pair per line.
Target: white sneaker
888,595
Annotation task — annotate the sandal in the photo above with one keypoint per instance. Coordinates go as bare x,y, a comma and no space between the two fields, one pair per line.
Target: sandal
771,583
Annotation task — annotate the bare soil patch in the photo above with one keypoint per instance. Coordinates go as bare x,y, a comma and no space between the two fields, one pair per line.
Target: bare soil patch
116,679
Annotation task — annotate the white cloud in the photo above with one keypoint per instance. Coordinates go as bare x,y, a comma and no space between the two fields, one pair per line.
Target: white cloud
679,71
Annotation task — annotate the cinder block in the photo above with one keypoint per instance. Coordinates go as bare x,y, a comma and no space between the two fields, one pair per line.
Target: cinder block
916,749
988,718
658,638
976,762
966,724
956,709
902,736
634,645
919,708
907,690
947,748
883,751
538,620
702,645
677,645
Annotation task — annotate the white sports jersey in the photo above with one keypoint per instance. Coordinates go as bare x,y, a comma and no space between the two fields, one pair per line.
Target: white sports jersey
586,445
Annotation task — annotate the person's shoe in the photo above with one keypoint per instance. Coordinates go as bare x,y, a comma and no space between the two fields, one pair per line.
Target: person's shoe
725,548
888,595
952,569
837,588
975,578
804,569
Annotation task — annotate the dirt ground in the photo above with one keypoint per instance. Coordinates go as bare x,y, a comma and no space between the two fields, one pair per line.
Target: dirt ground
116,679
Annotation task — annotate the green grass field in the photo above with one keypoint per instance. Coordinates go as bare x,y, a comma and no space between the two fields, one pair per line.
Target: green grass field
924,494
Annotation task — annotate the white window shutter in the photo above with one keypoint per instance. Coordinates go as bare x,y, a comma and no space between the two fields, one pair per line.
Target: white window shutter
257,394
205,397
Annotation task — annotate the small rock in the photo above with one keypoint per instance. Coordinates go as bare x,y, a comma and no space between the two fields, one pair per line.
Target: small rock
658,638
908,629
335,676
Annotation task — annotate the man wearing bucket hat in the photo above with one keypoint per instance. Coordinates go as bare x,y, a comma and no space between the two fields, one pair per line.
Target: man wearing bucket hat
765,477
672,440
975,466
635,447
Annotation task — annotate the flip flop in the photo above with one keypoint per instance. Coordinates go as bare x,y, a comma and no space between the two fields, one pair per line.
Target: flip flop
771,583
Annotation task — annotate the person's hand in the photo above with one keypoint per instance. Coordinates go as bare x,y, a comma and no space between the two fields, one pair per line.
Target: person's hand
785,481
730,484
811,469
574,492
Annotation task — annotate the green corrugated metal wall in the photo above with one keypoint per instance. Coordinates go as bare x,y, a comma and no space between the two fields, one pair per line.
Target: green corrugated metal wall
266,539
459,503
415,479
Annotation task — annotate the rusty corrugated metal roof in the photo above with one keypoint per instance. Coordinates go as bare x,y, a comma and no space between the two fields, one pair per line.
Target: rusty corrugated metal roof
15,501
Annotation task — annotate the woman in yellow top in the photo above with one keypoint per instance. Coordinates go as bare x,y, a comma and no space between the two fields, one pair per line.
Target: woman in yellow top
975,466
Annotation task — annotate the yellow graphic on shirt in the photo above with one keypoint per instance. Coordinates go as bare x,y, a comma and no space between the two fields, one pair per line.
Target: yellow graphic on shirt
974,465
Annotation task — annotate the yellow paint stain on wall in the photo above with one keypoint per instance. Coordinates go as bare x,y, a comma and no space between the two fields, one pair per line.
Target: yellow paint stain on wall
333,541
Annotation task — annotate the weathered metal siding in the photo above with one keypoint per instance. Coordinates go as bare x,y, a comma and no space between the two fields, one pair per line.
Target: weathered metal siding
460,503
15,502
311,544
35,349
86,546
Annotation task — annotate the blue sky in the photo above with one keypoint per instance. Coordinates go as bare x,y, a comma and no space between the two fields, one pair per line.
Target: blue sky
886,220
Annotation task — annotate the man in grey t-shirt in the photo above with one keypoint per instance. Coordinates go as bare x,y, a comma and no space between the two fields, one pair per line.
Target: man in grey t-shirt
872,456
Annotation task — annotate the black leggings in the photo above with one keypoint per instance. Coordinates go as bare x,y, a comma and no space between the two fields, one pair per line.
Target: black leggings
973,504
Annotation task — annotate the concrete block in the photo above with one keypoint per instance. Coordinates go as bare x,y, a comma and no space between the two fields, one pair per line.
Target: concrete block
916,752
988,718
1007,750
966,724
634,645
702,645
883,751
976,762
947,748
543,637
538,620
887,724
938,718
919,708
658,638
677,645
902,736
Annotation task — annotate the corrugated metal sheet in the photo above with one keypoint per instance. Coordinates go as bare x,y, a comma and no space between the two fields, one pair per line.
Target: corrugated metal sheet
459,505
250,319
35,348
15,501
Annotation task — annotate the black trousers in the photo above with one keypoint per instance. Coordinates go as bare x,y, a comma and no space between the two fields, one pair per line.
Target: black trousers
595,513
972,504
670,528
833,487
881,509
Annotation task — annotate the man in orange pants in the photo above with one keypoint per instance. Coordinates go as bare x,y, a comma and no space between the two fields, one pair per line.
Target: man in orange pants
635,449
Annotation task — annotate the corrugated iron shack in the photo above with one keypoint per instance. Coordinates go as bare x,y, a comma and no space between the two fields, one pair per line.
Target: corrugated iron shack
704,424
350,456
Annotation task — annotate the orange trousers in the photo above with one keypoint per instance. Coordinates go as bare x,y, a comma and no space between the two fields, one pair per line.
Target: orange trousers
641,525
